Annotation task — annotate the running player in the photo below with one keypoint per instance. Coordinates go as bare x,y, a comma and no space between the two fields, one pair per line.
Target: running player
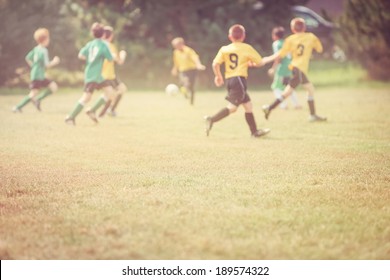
237,57
94,53
280,71
300,45
109,75
186,63
38,60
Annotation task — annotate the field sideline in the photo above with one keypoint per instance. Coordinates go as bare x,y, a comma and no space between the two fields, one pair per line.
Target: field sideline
149,184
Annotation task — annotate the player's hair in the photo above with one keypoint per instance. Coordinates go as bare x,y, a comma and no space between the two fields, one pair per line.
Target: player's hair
298,25
278,32
108,31
237,31
40,35
177,40
97,30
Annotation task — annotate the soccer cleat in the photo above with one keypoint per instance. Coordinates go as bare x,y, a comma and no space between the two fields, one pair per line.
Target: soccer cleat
266,111
112,113
16,110
209,124
261,132
92,115
315,118
70,121
37,104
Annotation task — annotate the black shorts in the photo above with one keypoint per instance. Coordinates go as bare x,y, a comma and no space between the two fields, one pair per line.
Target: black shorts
114,83
298,77
91,87
187,78
237,94
38,84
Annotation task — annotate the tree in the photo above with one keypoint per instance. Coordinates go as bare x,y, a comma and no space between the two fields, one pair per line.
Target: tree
365,26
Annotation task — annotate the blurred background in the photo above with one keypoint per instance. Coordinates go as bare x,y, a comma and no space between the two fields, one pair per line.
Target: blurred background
354,32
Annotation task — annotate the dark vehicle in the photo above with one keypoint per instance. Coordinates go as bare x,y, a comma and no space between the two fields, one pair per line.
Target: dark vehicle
322,28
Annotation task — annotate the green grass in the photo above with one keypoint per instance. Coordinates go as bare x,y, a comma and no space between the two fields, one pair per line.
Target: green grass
150,185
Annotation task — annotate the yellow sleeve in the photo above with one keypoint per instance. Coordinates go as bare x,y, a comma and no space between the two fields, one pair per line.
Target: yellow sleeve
285,50
175,62
317,44
219,57
194,56
254,56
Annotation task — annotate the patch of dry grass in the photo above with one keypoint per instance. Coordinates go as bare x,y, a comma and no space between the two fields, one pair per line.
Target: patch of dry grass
150,185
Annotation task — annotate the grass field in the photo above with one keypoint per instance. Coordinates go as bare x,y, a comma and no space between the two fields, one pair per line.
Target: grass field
149,184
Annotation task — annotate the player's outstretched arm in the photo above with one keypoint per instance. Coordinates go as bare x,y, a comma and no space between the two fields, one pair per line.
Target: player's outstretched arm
55,61
218,80
121,57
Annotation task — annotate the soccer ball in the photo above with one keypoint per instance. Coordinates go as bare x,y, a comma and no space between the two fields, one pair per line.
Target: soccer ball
172,89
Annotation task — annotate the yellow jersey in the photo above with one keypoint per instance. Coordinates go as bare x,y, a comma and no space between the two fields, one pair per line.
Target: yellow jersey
108,70
301,46
236,57
184,60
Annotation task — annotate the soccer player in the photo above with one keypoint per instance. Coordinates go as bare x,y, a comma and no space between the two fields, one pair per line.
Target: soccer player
108,72
186,63
94,53
300,45
237,57
280,71
38,60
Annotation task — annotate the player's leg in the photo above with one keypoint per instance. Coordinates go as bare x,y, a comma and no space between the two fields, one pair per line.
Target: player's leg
107,95
294,99
292,84
85,98
250,119
34,90
120,91
221,114
268,108
191,85
18,108
184,81
51,88
107,103
278,95
310,101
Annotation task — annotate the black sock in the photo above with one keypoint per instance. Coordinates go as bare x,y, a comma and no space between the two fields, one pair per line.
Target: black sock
250,119
220,115
311,107
275,104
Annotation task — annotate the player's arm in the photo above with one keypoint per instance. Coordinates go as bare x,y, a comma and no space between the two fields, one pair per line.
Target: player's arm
255,60
83,54
120,59
50,63
317,45
30,58
195,58
175,67
218,60
218,79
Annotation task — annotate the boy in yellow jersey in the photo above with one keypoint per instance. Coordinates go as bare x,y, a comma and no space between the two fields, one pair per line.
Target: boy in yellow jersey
237,57
108,72
186,63
300,45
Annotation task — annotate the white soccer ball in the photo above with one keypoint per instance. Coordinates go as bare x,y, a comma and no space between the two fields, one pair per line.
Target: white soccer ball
172,89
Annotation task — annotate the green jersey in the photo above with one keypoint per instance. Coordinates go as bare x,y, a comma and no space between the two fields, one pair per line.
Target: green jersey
96,51
282,69
39,59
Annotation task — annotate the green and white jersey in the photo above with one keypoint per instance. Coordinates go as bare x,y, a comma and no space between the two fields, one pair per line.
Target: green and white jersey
39,58
282,69
95,51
